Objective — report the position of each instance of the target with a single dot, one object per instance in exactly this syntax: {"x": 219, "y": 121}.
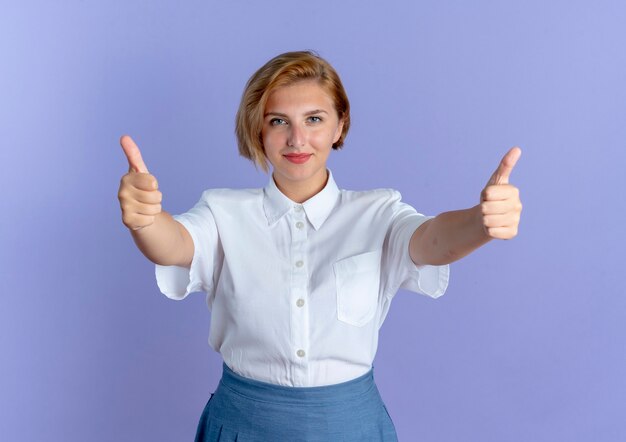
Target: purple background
{"x": 526, "y": 345}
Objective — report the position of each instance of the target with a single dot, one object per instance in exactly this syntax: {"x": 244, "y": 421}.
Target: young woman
{"x": 300, "y": 275}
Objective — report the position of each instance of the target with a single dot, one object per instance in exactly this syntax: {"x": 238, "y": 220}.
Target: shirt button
{"x": 300, "y": 353}
{"x": 299, "y": 224}
{"x": 300, "y": 302}
{"x": 299, "y": 263}
{"x": 298, "y": 208}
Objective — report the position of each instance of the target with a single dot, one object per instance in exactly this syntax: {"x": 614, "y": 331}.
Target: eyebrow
{"x": 306, "y": 114}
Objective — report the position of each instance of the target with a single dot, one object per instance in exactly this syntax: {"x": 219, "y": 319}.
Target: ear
{"x": 338, "y": 131}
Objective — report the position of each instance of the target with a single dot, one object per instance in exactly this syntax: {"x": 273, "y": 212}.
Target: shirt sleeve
{"x": 177, "y": 282}
{"x": 401, "y": 271}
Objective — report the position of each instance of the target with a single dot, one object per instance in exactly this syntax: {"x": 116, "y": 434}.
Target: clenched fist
{"x": 139, "y": 196}
{"x": 499, "y": 201}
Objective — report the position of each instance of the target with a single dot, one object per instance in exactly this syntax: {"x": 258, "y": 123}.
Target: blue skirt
{"x": 248, "y": 410}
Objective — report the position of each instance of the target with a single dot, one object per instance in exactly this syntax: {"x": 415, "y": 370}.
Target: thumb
{"x": 135, "y": 162}
{"x": 502, "y": 173}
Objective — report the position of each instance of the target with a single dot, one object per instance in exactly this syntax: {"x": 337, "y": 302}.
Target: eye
{"x": 314, "y": 119}
{"x": 277, "y": 122}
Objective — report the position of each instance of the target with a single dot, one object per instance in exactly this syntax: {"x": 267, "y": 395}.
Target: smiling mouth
{"x": 298, "y": 158}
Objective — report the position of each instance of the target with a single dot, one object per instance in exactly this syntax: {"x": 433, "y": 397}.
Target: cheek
{"x": 268, "y": 137}
{"x": 272, "y": 142}
{"x": 323, "y": 139}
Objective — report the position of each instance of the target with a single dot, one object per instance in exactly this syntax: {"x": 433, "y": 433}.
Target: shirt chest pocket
{"x": 357, "y": 280}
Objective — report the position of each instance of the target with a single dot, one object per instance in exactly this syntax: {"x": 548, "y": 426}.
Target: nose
{"x": 296, "y": 136}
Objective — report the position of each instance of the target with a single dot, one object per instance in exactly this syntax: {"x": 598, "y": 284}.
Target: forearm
{"x": 162, "y": 242}
{"x": 448, "y": 237}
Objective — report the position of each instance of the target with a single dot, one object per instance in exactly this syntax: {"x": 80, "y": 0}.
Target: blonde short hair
{"x": 283, "y": 70}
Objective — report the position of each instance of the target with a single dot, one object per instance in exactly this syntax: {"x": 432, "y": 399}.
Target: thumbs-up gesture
{"x": 139, "y": 196}
{"x": 499, "y": 201}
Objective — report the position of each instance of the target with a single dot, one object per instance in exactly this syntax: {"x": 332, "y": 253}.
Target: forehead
{"x": 302, "y": 93}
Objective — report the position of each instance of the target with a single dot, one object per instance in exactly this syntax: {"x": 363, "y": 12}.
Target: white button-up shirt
{"x": 298, "y": 292}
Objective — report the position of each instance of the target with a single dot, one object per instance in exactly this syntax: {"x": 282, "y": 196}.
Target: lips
{"x": 298, "y": 158}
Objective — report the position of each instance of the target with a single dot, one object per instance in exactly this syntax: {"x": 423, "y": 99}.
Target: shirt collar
{"x": 317, "y": 208}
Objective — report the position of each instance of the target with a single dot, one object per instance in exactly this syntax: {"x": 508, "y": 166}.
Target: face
{"x": 300, "y": 126}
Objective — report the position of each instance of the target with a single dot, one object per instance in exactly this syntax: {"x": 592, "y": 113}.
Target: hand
{"x": 500, "y": 205}
{"x": 139, "y": 196}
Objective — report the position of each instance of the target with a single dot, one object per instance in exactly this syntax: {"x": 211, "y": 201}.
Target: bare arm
{"x": 165, "y": 242}
{"x": 448, "y": 237}
{"x": 160, "y": 238}
{"x": 452, "y": 235}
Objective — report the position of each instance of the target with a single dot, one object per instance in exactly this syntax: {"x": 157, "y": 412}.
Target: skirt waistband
{"x": 267, "y": 392}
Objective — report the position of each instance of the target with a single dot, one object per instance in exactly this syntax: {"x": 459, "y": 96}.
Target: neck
{"x": 299, "y": 192}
